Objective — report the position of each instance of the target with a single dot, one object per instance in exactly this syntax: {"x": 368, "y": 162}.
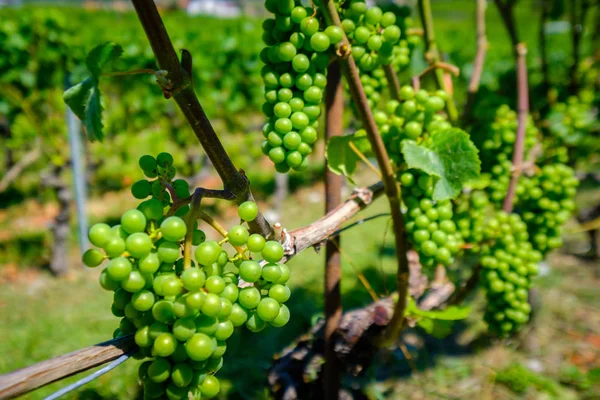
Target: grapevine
{"x": 182, "y": 312}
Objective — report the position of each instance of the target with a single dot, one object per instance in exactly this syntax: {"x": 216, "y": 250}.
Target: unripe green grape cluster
{"x": 411, "y": 118}
{"x": 372, "y": 75}
{"x": 497, "y": 150}
{"x": 182, "y": 312}
{"x": 296, "y": 56}
{"x": 546, "y": 202}
{"x": 569, "y": 126}
{"x": 372, "y": 34}
{"x": 429, "y": 225}
{"x": 508, "y": 266}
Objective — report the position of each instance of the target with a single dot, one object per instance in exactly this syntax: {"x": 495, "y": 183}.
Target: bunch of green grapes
{"x": 372, "y": 34}
{"x": 415, "y": 116}
{"x": 508, "y": 265}
{"x": 296, "y": 56}
{"x": 546, "y": 201}
{"x": 570, "y": 126}
{"x": 429, "y": 225}
{"x": 497, "y": 149}
{"x": 182, "y": 312}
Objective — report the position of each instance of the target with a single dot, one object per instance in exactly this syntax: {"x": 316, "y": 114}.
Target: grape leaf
{"x": 439, "y": 329}
{"x": 451, "y": 313}
{"x": 341, "y": 159}
{"x": 449, "y": 155}
{"x": 101, "y": 55}
{"x": 84, "y": 100}
{"x": 437, "y": 323}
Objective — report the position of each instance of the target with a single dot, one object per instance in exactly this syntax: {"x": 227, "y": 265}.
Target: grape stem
{"x": 183, "y": 93}
{"x": 125, "y": 73}
{"x": 482, "y": 45}
{"x": 433, "y": 56}
{"x": 211, "y": 221}
{"x": 391, "y": 190}
{"x": 364, "y": 158}
{"x": 189, "y": 235}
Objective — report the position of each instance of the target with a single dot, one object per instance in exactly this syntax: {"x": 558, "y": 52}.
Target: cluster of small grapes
{"x": 508, "y": 265}
{"x": 410, "y": 118}
{"x": 546, "y": 201}
{"x": 296, "y": 58}
{"x": 497, "y": 150}
{"x": 429, "y": 225}
{"x": 569, "y": 126}
{"x": 373, "y": 78}
{"x": 182, "y": 312}
{"x": 372, "y": 34}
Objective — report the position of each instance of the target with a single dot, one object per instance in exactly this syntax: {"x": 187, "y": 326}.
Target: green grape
{"x": 119, "y": 268}
{"x": 195, "y": 300}
{"x": 149, "y": 263}
{"x": 267, "y": 309}
{"x": 173, "y": 229}
{"x": 143, "y": 300}
{"x": 181, "y": 375}
{"x": 254, "y": 323}
{"x": 133, "y": 221}
{"x": 208, "y": 253}
{"x": 152, "y": 209}
{"x": 273, "y": 251}
{"x": 250, "y": 271}
{"x": 92, "y": 258}
{"x": 184, "y": 329}
{"x": 280, "y": 293}
{"x": 141, "y": 189}
{"x": 99, "y": 234}
{"x": 282, "y": 318}
{"x": 238, "y": 316}
{"x": 169, "y": 252}
{"x": 249, "y": 297}
{"x": 199, "y": 347}
{"x": 159, "y": 370}
{"x": 138, "y": 244}
{"x": 212, "y": 305}
{"x": 256, "y": 243}
{"x": 193, "y": 279}
{"x": 215, "y": 284}
{"x": 238, "y": 235}
{"x": 210, "y": 387}
{"x": 248, "y": 211}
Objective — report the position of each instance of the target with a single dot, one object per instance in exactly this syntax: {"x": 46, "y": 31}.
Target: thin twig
{"x": 433, "y": 56}
{"x": 361, "y": 276}
{"x": 125, "y": 73}
{"x": 390, "y": 187}
{"x": 15, "y": 171}
{"x": 482, "y": 45}
{"x": 393, "y": 83}
{"x": 364, "y": 158}
{"x": 183, "y": 93}
{"x": 522, "y": 114}
{"x": 211, "y": 221}
{"x": 189, "y": 235}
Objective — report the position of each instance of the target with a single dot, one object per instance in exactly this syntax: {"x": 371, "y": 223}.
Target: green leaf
{"x": 341, "y": 159}
{"x": 101, "y": 55}
{"x": 449, "y": 155}
{"x": 452, "y": 313}
{"x": 439, "y": 329}
{"x": 84, "y": 100}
